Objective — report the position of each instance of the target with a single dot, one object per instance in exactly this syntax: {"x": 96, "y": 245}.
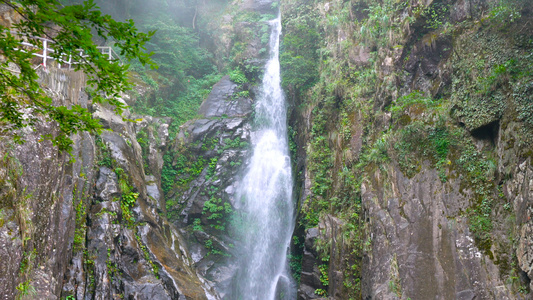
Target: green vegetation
{"x": 112, "y": 269}
{"x": 186, "y": 165}
{"x": 27, "y": 262}
{"x": 10, "y": 184}
{"x": 320, "y": 166}
{"x": 295, "y": 265}
{"x": 128, "y": 201}
{"x": 180, "y": 104}
{"x": 186, "y": 70}
{"x": 216, "y": 209}
{"x": 103, "y": 153}
{"x": 238, "y": 76}
{"x": 15, "y": 207}
{"x": 25, "y": 289}
{"x": 128, "y": 198}
{"x": 403, "y": 119}
{"x": 143, "y": 140}
{"x": 146, "y": 253}
{"x": 169, "y": 171}
{"x": 212, "y": 250}
{"x": 373, "y": 112}
{"x": 181, "y": 168}
{"x": 81, "y": 227}
{"x": 504, "y": 12}
{"x": 181, "y": 171}
{"x": 378, "y": 24}
{"x": 197, "y": 225}
{"x": 75, "y": 26}
{"x": 301, "y": 40}
{"x": 89, "y": 267}
{"x": 235, "y": 143}
{"x": 324, "y": 279}
{"x": 434, "y": 15}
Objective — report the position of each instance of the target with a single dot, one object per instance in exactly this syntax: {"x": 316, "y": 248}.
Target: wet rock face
{"x": 132, "y": 250}
{"x": 310, "y": 276}
{"x": 221, "y": 103}
{"x": 93, "y": 228}
{"x": 107, "y": 185}
{"x": 329, "y": 229}
{"x": 217, "y": 147}
{"x": 522, "y": 186}
{"x": 10, "y": 247}
{"x": 46, "y": 186}
{"x": 422, "y": 244}
{"x": 425, "y": 62}
{"x": 421, "y": 233}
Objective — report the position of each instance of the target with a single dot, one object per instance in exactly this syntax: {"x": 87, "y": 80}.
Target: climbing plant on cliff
{"x": 71, "y": 28}
{"x": 299, "y": 56}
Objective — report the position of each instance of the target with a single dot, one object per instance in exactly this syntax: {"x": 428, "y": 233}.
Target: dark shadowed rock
{"x": 310, "y": 276}
{"x": 306, "y": 292}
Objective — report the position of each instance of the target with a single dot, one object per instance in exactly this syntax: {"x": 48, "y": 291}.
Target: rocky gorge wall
{"x": 412, "y": 138}
{"x": 135, "y": 212}
{"x": 410, "y": 135}
{"x": 93, "y": 228}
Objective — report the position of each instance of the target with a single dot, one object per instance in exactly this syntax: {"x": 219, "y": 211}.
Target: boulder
{"x": 223, "y": 102}
{"x": 310, "y": 276}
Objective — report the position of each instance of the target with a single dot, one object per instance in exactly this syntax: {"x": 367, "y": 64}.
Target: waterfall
{"x": 265, "y": 201}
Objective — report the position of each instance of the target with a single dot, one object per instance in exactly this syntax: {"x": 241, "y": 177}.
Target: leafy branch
{"x": 71, "y": 29}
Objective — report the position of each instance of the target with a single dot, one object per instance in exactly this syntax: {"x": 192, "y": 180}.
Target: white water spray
{"x": 265, "y": 199}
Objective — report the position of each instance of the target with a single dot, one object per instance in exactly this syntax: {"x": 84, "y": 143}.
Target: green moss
{"x": 143, "y": 140}
{"x": 112, "y": 269}
{"x": 103, "y": 153}
{"x": 25, "y": 289}
{"x": 147, "y": 257}
{"x": 324, "y": 279}
{"x": 127, "y": 202}
{"x": 81, "y": 227}
{"x": 486, "y": 77}
{"x": 299, "y": 56}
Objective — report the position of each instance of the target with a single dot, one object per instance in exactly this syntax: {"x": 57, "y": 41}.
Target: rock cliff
{"x": 412, "y": 137}
{"x": 117, "y": 218}
{"x": 209, "y": 154}
{"x": 91, "y": 225}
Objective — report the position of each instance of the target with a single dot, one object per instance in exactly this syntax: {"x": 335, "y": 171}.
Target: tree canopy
{"x": 71, "y": 28}
{"x": 183, "y": 49}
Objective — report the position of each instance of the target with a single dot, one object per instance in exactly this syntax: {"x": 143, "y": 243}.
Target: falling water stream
{"x": 266, "y": 203}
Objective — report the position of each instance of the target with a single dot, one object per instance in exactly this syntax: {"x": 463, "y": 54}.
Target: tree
{"x": 71, "y": 28}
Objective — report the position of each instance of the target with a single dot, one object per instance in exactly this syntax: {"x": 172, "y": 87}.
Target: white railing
{"x": 64, "y": 60}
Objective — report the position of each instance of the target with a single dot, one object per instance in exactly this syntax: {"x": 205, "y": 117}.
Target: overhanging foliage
{"x": 71, "y": 28}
